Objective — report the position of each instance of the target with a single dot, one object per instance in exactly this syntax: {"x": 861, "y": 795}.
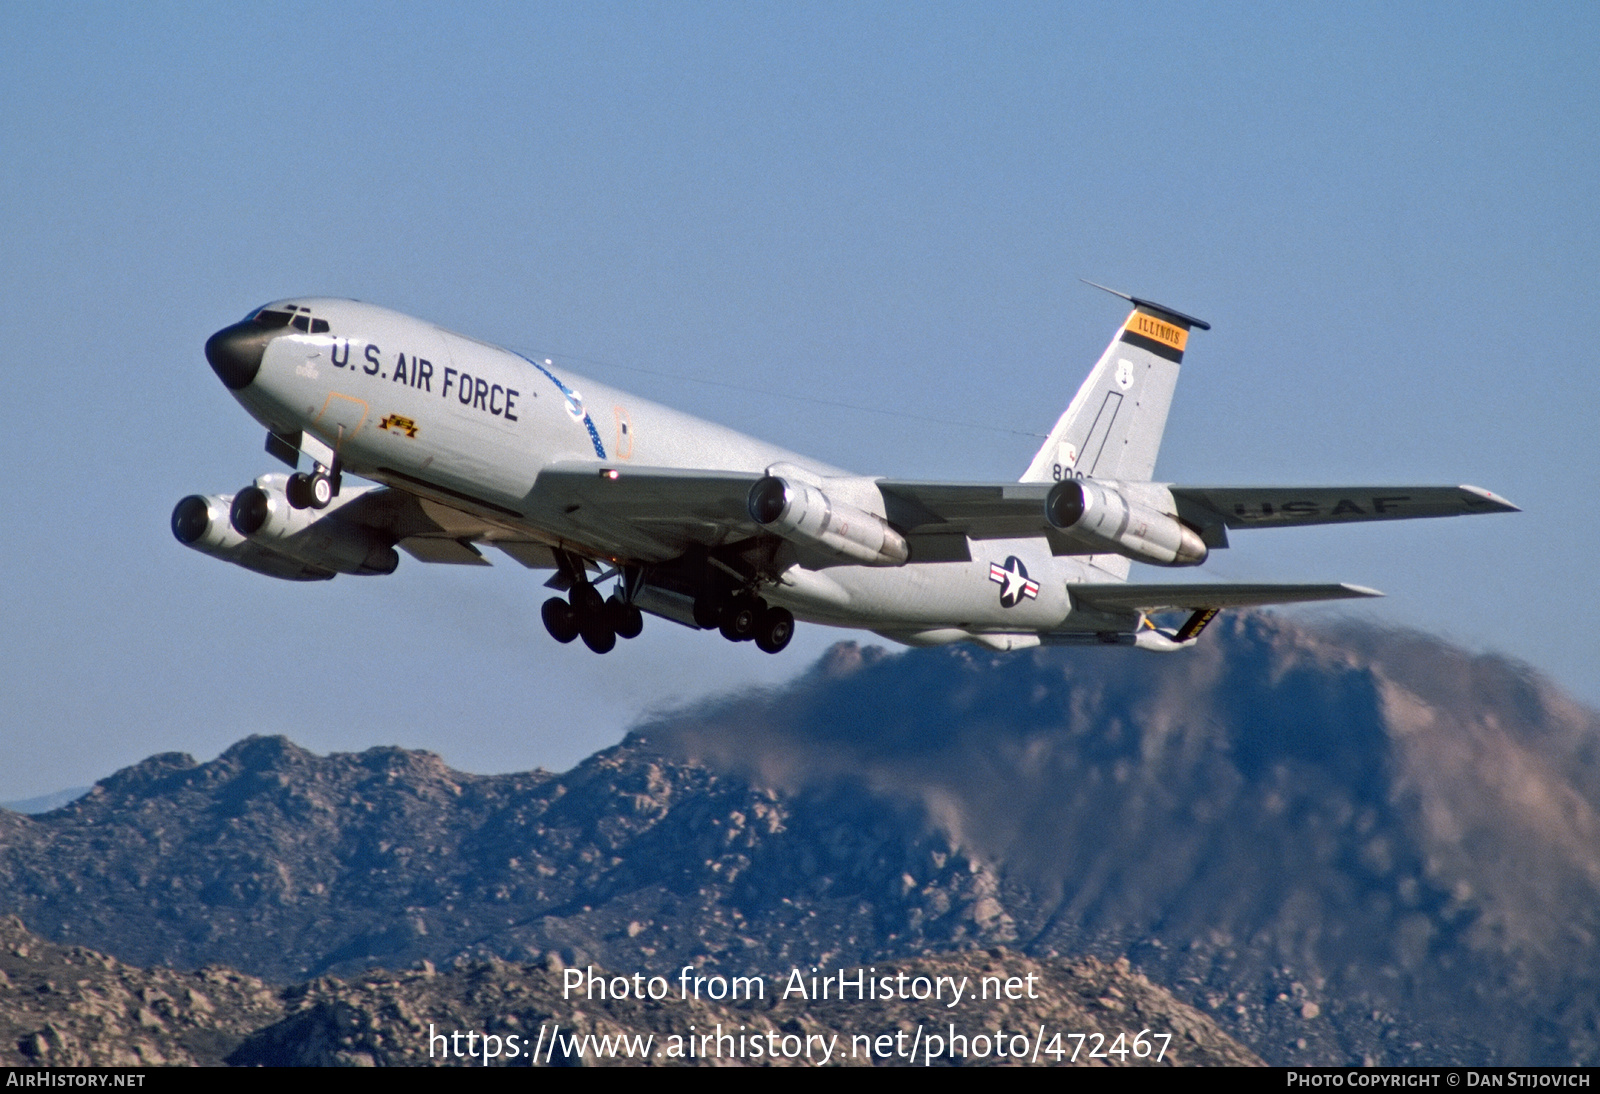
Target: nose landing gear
{"x": 316, "y": 490}
{"x": 313, "y": 491}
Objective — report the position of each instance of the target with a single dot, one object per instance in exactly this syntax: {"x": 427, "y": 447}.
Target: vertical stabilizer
{"x": 1113, "y": 427}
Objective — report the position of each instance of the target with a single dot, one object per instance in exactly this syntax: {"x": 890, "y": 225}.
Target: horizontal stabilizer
{"x": 1151, "y": 305}
{"x": 1157, "y": 598}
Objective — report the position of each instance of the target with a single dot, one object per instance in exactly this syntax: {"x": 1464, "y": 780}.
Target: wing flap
{"x": 442, "y": 549}
{"x": 654, "y": 493}
{"x": 977, "y": 510}
{"x": 652, "y": 512}
{"x": 535, "y": 556}
{"x": 1193, "y": 597}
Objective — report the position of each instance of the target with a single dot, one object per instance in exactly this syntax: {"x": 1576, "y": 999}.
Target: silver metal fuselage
{"x": 471, "y": 426}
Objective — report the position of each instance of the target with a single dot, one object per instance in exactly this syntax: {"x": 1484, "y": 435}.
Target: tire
{"x": 626, "y": 619}
{"x": 319, "y": 490}
{"x": 298, "y": 491}
{"x": 587, "y": 602}
{"x": 598, "y": 635}
{"x": 560, "y": 620}
{"x": 774, "y": 630}
{"x": 707, "y": 612}
{"x": 739, "y": 618}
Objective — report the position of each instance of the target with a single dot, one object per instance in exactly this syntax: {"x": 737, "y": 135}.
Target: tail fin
{"x": 1113, "y": 427}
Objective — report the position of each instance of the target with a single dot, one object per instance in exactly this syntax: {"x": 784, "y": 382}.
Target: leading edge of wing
{"x": 1155, "y": 598}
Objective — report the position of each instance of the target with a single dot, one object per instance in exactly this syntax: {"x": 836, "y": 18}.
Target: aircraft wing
{"x": 652, "y": 512}
{"x": 1277, "y": 506}
{"x": 999, "y": 510}
{"x": 429, "y": 531}
{"x": 1193, "y": 597}
{"x": 673, "y": 507}
{"x": 665, "y": 494}
{"x": 655, "y": 512}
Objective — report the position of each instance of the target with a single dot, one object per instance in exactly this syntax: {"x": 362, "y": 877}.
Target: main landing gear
{"x": 737, "y": 612}
{"x": 598, "y": 620}
{"x": 744, "y": 618}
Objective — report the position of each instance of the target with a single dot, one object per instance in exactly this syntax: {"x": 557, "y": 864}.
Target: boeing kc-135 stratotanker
{"x": 473, "y": 446}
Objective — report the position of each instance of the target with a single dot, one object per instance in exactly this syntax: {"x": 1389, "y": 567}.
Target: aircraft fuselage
{"x": 472, "y": 425}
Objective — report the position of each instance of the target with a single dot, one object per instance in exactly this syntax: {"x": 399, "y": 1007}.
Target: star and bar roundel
{"x": 1013, "y": 581}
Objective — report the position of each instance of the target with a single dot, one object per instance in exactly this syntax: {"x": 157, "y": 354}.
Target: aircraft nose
{"x": 235, "y": 352}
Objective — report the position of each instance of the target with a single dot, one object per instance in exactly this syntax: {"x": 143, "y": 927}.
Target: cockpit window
{"x": 272, "y": 320}
{"x": 295, "y": 316}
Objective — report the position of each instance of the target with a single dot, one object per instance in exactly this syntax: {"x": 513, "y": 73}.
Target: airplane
{"x": 466, "y": 445}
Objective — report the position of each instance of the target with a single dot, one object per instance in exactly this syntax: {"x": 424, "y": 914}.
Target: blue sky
{"x": 1387, "y": 212}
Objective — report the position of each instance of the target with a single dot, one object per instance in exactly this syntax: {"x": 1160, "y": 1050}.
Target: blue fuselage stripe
{"x": 572, "y": 399}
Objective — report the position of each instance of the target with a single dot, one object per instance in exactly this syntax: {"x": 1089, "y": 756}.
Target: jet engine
{"x": 803, "y": 514}
{"x": 1100, "y": 515}
{"x": 258, "y": 529}
{"x": 261, "y": 512}
{"x": 202, "y": 523}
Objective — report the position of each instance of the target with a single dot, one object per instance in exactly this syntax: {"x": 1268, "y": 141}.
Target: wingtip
{"x": 1487, "y": 501}
{"x": 1359, "y": 590}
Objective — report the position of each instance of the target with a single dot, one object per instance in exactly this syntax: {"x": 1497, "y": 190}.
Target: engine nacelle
{"x": 1099, "y": 515}
{"x": 803, "y": 514}
{"x": 261, "y": 513}
{"x": 202, "y": 523}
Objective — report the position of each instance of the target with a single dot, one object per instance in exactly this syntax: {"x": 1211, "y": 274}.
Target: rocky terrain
{"x": 1344, "y": 846}
{"x": 73, "y": 1007}
{"x": 69, "y": 1006}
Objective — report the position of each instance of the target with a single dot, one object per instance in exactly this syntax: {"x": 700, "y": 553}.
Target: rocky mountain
{"x": 73, "y": 1007}
{"x": 68, "y": 1006}
{"x": 1343, "y": 845}
{"x": 1373, "y": 827}
{"x": 45, "y": 803}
